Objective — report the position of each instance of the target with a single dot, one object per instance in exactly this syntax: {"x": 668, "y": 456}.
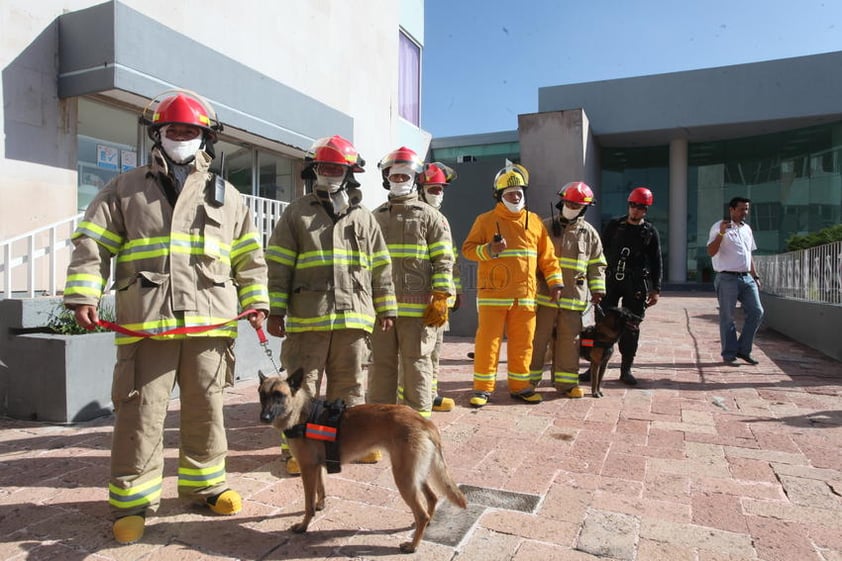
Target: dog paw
{"x": 597, "y": 394}
{"x": 407, "y": 547}
{"x": 299, "y": 528}
{"x": 320, "y": 505}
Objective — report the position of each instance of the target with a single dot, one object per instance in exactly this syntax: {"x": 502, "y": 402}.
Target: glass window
{"x": 409, "y": 79}
{"x": 792, "y": 178}
{"x": 276, "y": 178}
{"x": 624, "y": 169}
{"x": 238, "y": 165}
{"x": 106, "y": 146}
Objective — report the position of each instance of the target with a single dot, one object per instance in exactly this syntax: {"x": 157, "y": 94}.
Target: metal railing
{"x": 813, "y": 275}
{"x": 35, "y": 263}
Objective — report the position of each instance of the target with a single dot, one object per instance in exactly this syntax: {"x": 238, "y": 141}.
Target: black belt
{"x": 741, "y": 273}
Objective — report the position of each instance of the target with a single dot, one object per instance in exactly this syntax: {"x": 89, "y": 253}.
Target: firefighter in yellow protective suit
{"x": 436, "y": 177}
{"x": 511, "y": 244}
{"x": 421, "y": 248}
{"x": 579, "y": 250}
{"x": 330, "y": 277}
{"x": 186, "y": 255}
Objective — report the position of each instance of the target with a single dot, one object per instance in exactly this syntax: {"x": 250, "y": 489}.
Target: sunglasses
{"x": 638, "y": 206}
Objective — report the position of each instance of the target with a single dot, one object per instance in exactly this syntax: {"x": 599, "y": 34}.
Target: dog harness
{"x": 323, "y": 424}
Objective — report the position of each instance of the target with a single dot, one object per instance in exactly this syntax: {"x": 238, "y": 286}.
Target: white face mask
{"x": 181, "y": 151}
{"x": 570, "y": 213}
{"x": 328, "y": 183}
{"x": 434, "y": 200}
{"x": 515, "y": 207}
{"x": 402, "y": 188}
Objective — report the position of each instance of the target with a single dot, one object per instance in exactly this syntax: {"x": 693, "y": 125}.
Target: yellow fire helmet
{"x": 513, "y": 175}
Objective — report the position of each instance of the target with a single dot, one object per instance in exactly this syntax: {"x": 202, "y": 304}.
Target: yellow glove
{"x": 436, "y": 313}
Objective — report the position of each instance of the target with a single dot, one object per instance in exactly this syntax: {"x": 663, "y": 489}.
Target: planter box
{"x": 67, "y": 378}
{"x": 61, "y": 378}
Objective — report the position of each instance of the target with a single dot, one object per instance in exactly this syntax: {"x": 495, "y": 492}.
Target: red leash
{"x": 261, "y": 335}
{"x": 177, "y": 330}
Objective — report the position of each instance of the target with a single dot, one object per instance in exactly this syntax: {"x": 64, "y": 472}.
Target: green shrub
{"x": 63, "y": 321}
{"x": 823, "y": 236}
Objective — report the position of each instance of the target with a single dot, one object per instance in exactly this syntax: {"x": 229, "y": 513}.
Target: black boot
{"x": 625, "y": 373}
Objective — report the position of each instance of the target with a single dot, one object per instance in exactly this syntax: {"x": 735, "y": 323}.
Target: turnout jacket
{"x": 188, "y": 264}
{"x": 328, "y": 273}
{"x": 421, "y": 248}
{"x": 579, "y": 252}
{"x": 511, "y": 275}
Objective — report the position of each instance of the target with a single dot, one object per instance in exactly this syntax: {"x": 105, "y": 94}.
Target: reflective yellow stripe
{"x": 103, "y": 237}
{"x": 407, "y": 310}
{"x": 330, "y": 322}
{"x": 178, "y": 244}
{"x": 281, "y": 255}
{"x": 201, "y": 477}
{"x": 252, "y": 293}
{"x": 143, "y": 494}
{"x": 84, "y": 284}
{"x": 228, "y": 330}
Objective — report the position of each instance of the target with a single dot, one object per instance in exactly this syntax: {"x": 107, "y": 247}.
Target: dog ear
{"x": 261, "y": 376}
{"x": 296, "y": 379}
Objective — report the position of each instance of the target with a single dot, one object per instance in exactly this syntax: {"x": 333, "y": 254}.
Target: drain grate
{"x": 450, "y": 524}
{"x": 496, "y": 498}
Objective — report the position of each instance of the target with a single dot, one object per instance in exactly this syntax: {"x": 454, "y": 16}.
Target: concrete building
{"x": 76, "y": 74}
{"x": 771, "y": 131}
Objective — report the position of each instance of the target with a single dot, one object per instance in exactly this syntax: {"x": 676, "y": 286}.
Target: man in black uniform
{"x": 633, "y": 250}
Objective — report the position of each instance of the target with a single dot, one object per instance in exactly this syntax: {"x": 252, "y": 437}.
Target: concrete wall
{"x": 712, "y": 97}
{"x": 558, "y": 147}
{"x": 342, "y": 54}
{"x": 814, "y": 325}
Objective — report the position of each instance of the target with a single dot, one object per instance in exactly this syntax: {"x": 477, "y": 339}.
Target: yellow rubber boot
{"x": 128, "y": 529}
{"x": 528, "y": 395}
{"x": 292, "y": 466}
{"x": 575, "y": 392}
{"x": 479, "y": 399}
{"x": 226, "y": 503}
{"x": 443, "y": 404}
{"x": 371, "y": 458}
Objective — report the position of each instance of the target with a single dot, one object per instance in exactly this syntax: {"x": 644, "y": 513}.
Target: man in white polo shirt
{"x": 730, "y": 244}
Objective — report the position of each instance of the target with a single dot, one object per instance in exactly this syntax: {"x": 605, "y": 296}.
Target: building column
{"x": 677, "y": 265}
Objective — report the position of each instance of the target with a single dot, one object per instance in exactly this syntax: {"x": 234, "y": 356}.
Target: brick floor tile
{"x": 694, "y": 451}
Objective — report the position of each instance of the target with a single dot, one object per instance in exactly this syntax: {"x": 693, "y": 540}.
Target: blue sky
{"x": 484, "y": 60}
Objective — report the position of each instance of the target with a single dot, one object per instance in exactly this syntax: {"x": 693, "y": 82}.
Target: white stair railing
{"x": 34, "y": 263}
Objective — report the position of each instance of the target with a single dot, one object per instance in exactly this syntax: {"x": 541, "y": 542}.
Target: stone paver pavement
{"x": 700, "y": 462}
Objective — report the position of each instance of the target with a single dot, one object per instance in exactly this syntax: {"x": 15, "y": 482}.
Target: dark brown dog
{"x": 596, "y": 343}
{"x": 413, "y": 444}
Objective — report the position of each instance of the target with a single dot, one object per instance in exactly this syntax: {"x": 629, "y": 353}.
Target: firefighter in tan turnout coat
{"x": 330, "y": 278}
{"x": 421, "y": 249}
{"x": 558, "y": 324}
{"x": 187, "y": 255}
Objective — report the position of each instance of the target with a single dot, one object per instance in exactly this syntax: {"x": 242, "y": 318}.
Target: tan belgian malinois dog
{"x": 413, "y": 444}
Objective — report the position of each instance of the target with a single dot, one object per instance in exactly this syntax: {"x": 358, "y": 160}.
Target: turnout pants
{"x": 339, "y": 355}
{"x": 559, "y": 328}
{"x": 519, "y": 324}
{"x": 402, "y": 368}
{"x": 144, "y": 377}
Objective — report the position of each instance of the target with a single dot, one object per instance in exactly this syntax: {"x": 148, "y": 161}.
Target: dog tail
{"x": 441, "y": 477}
